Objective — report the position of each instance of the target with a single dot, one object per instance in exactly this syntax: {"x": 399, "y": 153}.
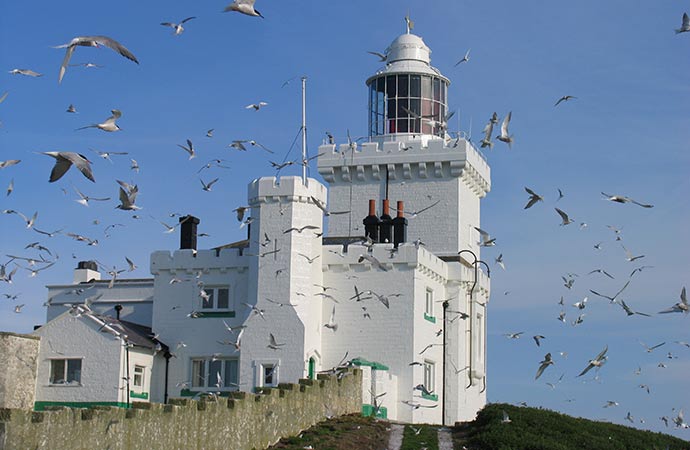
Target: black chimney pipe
{"x": 399, "y": 226}
{"x": 188, "y": 225}
{"x": 386, "y": 225}
{"x": 371, "y": 223}
{"x": 117, "y": 309}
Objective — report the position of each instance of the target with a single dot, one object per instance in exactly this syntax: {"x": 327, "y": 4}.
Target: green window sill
{"x": 144, "y": 395}
{"x": 433, "y": 397}
{"x": 212, "y": 314}
{"x": 429, "y": 318}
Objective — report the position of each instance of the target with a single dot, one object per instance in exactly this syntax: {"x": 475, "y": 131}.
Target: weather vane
{"x": 409, "y": 22}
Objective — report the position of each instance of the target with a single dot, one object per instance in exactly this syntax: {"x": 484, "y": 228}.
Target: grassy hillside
{"x": 538, "y": 429}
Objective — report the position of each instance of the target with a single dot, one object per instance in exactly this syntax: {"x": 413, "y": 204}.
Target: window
{"x": 139, "y": 376}
{"x": 429, "y": 306}
{"x": 269, "y": 375}
{"x": 65, "y": 371}
{"x": 480, "y": 337}
{"x": 215, "y": 373}
{"x": 429, "y": 376}
{"x": 215, "y": 298}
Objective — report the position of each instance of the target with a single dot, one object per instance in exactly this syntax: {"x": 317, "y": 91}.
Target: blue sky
{"x": 628, "y": 132}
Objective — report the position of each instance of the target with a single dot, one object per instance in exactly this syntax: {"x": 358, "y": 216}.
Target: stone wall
{"x": 18, "y": 365}
{"x": 244, "y": 421}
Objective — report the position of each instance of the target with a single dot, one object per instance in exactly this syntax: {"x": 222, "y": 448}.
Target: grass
{"x": 427, "y": 437}
{"x": 538, "y": 429}
{"x": 341, "y": 433}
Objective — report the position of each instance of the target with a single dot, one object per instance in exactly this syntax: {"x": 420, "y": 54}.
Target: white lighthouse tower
{"x": 430, "y": 341}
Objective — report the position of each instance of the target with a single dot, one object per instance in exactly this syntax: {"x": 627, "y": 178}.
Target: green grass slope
{"x": 538, "y": 429}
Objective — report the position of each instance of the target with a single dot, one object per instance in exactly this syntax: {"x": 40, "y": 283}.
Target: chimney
{"x": 385, "y": 227}
{"x": 117, "y": 309}
{"x": 399, "y": 226}
{"x": 371, "y": 223}
{"x": 188, "y": 226}
{"x": 86, "y": 271}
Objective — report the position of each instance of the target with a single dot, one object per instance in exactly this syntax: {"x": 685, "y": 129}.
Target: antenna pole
{"x": 304, "y": 130}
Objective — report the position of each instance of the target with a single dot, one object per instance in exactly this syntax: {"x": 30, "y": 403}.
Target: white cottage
{"x": 401, "y": 297}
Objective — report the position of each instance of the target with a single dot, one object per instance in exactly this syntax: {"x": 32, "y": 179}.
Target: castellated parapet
{"x": 272, "y": 189}
{"x": 244, "y": 421}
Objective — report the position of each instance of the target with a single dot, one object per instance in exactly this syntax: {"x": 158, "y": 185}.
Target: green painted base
{"x": 212, "y": 314}
{"x": 368, "y": 411}
{"x": 431, "y": 319}
{"x": 40, "y": 406}
{"x": 144, "y": 395}
{"x": 363, "y": 362}
{"x": 433, "y": 397}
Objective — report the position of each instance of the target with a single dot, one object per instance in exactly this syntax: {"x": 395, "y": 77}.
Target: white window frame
{"x": 430, "y": 375}
{"x": 261, "y": 367}
{"x": 429, "y": 302}
{"x": 65, "y": 372}
{"x": 140, "y": 376}
{"x": 213, "y": 291}
{"x": 206, "y": 385}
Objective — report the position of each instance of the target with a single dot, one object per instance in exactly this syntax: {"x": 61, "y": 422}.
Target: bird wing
{"x": 686, "y": 21}
{"x": 644, "y": 205}
{"x": 187, "y": 19}
{"x": 531, "y": 201}
{"x": 114, "y": 45}
{"x": 168, "y": 24}
{"x": 504, "y": 125}
{"x": 563, "y": 215}
{"x": 332, "y": 315}
{"x": 62, "y": 165}
{"x": 319, "y": 204}
{"x": 530, "y": 192}
{"x": 428, "y": 207}
{"x": 601, "y": 355}
{"x": 124, "y": 198}
{"x": 65, "y": 62}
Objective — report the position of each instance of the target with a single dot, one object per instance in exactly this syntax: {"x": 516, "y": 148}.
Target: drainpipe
{"x": 127, "y": 362}
{"x": 445, "y": 338}
{"x": 488, "y": 274}
{"x": 167, "y": 355}
{"x": 474, "y": 263}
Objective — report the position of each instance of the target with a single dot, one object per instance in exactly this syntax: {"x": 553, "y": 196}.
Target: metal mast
{"x": 304, "y": 130}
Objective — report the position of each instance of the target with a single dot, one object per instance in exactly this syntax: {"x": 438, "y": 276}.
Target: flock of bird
{"x": 64, "y": 160}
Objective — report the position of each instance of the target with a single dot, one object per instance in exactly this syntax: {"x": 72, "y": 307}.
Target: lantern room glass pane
{"x": 390, "y": 86}
{"x": 415, "y": 86}
{"x": 437, "y": 89}
{"x": 403, "y": 89}
{"x": 426, "y": 87}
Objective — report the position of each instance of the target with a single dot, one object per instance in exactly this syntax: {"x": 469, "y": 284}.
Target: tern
{"x": 109, "y": 125}
{"x": 207, "y": 186}
{"x": 256, "y": 106}
{"x": 9, "y": 162}
{"x": 629, "y": 256}
{"x": 319, "y": 204}
{"x": 331, "y": 322}
{"x": 488, "y": 131}
{"x": 504, "y": 136}
{"x": 514, "y": 335}
{"x": 487, "y": 240}
{"x": 681, "y": 306}
{"x": 27, "y": 72}
{"x": 92, "y": 41}
{"x": 543, "y": 365}
{"x": 499, "y": 261}
{"x": 565, "y": 98}
{"x": 128, "y": 195}
{"x": 564, "y": 217}
{"x": 65, "y": 160}
{"x": 685, "y": 26}
{"x": 534, "y": 198}
{"x": 382, "y": 56}
{"x": 189, "y": 149}
{"x": 177, "y": 26}
{"x": 84, "y": 199}
{"x": 373, "y": 260}
{"x": 506, "y": 418}
{"x": 624, "y": 199}
{"x": 651, "y": 349}
{"x": 273, "y": 344}
{"x": 465, "y": 58}
{"x": 244, "y": 7}
{"x": 612, "y": 299}
{"x": 596, "y": 362}
{"x": 71, "y": 109}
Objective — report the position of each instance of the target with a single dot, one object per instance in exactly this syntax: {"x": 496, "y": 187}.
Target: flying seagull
{"x": 64, "y": 160}
{"x": 373, "y": 260}
{"x": 128, "y": 195}
{"x": 624, "y": 199}
{"x": 596, "y": 362}
{"x": 109, "y": 124}
{"x": 27, "y": 72}
{"x": 244, "y": 7}
{"x": 565, "y": 98}
{"x": 177, "y": 26}
{"x": 487, "y": 240}
{"x": 382, "y": 56}
{"x": 504, "y": 136}
{"x": 9, "y": 162}
{"x": 465, "y": 58}
{"x": 331, "y": 322}
{"x": 319, "y": 204}
{"x": 681, "y": 306}
{"x": 92, "y": 41}
{"x": 564, "y": 217}
{"x": 189, "y": 149}
{"x": 256, "y": 106}
{"x": 534, "y": 198}
{"x": 543, "y": 365}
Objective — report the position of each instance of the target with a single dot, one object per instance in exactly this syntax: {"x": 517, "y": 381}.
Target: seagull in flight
{"x": 624, "y": 199}
{"x": 681, "y": 306}
{"x": 109, "y": 125}
{"x": 65, "y": 160}
{"x": 207, "y": 186}
{"x": 244, "y": 7}
{"x": 487, "y": 240}
{"x": 319, "y": 204}
{"x": 128, "y": 195}
{"x": 596, "y": 362}
{"x": 26, "y": 72}
{"x": 565, "y": 98}
{"x": 465, "y": 58}
{"x": 564, "y": 217}
{"x": 189, "y": 149}
{"x": 331, "y": 322}
{"x": 543, "y": 365}
{"x": 256, "y": 106}
{"x": 382, "y": 56}
{"x": 629, "y": 256}
{"x": 84, "y": 199}
{"x": 373, "y": 260}
{"x": 505, "y": 136}
{"x": 92, "y": 41}
{"x": 534, "y": 198}
{"x": 179, "y": 29}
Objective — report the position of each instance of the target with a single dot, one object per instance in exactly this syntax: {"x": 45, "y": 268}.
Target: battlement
{"x": 221, "y": 259}
{"x": 288, "y": 189}
{"x": 405, "y": 160}
{"x": 243, "y": 421}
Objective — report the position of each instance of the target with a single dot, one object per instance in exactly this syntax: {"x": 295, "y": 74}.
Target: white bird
{"x": 71, "y": 109}
{"x": 514, "y": 335}
{"x": 331, "y": 322}
{"x": 92, "y": 41}
{"x": 624, "y": 199}
{"x": 373, "y": 260}
{"x": 256, "y": 106}
{"x": 685, "y": 26}
{"x": 84, "y": 199}
{"x": 488, "y": 131}
{"x": 109, "y": 124}
{"x": 128, "y": 195}
{"x": 189, "y": 149}
{"x": 27, "y": 72}
{"x": 681, "y": 306}
{"x": 564, "y": 217}
{"x": 64, "y": 160}
{"x": 177, "y": 26}
{"x": 207, "y": 186}
{"x": 581, "y": 304}
{"x": 319, "y": 204}
{"x": 486, "y": 241}
{"x": 465, "y": 58}
{"x": 499, "y": 261}
{"x": 504, "y": 136}
{"x": 382, "y": 56}
{"x": 650, "y": 349}
{"x": 18, "y": 308}
{"x": 9, "y": 162}
{"x": 273, "y": 344}
{"x": 244, "y": 7}
{"x": 596, "y": 362}
{"x": 543, "y": 365}
{"x": 506, "y": 418}
{"x": 679, "y": 420}
{"x": 10, "y": 187}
